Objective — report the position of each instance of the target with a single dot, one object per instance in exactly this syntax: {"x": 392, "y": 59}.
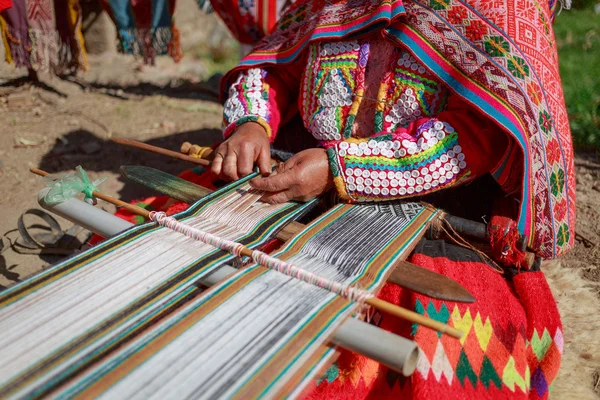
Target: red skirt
{"x": 511, "y": 350}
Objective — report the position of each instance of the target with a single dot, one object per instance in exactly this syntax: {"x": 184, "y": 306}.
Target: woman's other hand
{"x": 303, "y": 177}
{"x": 235, "y": 158}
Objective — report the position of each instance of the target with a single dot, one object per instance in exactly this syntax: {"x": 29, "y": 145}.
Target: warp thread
{"x": 504, "y": 236}
{"x": 351, "y": 293}
{"x": 440, "y": 224}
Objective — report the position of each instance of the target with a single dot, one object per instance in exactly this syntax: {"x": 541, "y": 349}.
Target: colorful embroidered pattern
{"x": 487, "y": 355}
{"x": 499, "y": 57}
{"x": 511, "y": 63}
{"x": 247, "y": 102}
{"x": 415, "y": 94}
{"x": 394, "y": 167}
{"x": 333, "y": 82}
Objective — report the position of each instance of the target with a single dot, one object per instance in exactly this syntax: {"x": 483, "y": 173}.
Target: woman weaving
{"x": 406, "y": 99}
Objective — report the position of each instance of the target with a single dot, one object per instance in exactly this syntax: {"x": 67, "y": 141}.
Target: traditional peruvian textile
{"x": 199, "y": 351}
{"x": 145, "y": 28}
{"x": 419, "y": 132}
{"x": 72, "y": 314}
{"x": 511, "y": 349}
{"x": 44, "y": 35}
{"x": 497, "y": 57}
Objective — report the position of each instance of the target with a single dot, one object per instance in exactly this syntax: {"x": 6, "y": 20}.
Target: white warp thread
{"x": 351, "y": 293}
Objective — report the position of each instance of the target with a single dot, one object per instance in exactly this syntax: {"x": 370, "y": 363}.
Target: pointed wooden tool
{"x": 406, "y": 274}
{"x": 429, "y": 283}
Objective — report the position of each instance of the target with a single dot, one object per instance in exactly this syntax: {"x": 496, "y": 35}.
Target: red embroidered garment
{"x": 424, "y": 138}
{"x": 499, "y": 57}
{"x": 250, "y": 20}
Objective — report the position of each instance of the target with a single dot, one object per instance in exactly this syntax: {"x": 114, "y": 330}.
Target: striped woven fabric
{"x": 261, "y": 334}
{"x": 70, "y": 315}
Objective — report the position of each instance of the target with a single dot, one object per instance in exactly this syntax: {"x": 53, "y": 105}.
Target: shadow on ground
{"x": 179, "y": 89}
{"x": 81, "y": 147}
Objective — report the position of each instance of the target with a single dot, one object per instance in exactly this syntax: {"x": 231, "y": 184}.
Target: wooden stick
{"x": 379, "y": 304}
{"x": 202, "y": 151}
{"x": 160, "y": 150}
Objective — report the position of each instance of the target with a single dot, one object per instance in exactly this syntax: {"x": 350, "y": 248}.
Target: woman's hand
{"x": 235, "y": 158}
{"x": 303, "y": 177}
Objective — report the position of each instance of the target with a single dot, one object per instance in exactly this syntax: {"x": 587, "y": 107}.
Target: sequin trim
{"x": 247, "y": 101}
{"x": 415, "y": 94}
{"x": 333, "y": 88}
{"x": 337, "y": 76}
{"x": 385, "y": 167}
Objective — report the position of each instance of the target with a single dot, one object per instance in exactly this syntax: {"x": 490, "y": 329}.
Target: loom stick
{"x": 429, "y": 283}
{"x": 406, "y": 274}
{"x": 194, "y": 149}
{"x": 160, "y": 150}
{"x": 154, "y": 179}
{"x": 379, "y": 304}
{"x": 85, "y": 215}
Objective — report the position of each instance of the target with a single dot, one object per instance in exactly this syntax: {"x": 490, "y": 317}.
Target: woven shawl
{"x": 261, "y": 334}
{"x": 499, "y": 56}
{"x": 70, "y": 315}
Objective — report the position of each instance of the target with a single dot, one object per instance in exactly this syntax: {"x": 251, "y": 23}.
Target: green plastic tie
{"x": 70, "y": 185}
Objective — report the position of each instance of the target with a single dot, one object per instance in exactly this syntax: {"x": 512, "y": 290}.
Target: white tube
{"x": 86, "y": 215}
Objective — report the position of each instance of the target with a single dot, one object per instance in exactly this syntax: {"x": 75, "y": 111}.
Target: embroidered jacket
{"x": 390, "y": 129}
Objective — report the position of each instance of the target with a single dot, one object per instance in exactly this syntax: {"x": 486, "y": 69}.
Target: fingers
{"x": 245, "y": 160}
{"x": 264, "y": 161}
{"x": 230, "y": 166}
{"x": 278, "y": 197}
{"x": 274, "y": 183}
{"x": 217, "y": 163}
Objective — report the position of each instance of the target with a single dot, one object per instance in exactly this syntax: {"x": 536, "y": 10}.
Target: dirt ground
{"x": 68, "y": 122}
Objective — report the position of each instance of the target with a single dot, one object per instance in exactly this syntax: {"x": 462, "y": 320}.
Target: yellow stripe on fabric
{"x": 76, "y": 15}
{"x": 7, "y": 52}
